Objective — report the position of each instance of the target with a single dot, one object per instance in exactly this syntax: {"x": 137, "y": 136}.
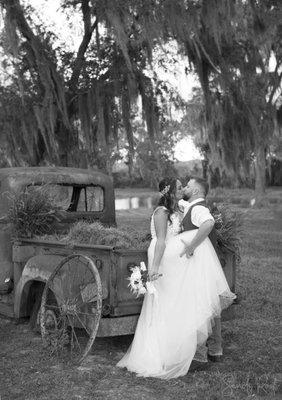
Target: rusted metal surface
{"x": 40, "y": 267}
{"x": 6, "y": 264}
{"x": 26, "y": 175}
{"x": 22, "y": 253}
{"x": 54, "y": 244}
{"x": 37, "y": 269}
{"x": 15, "y": 179}
{"x": 126, "y": 303}
{"x": 113, "y": 266}
{"x": 117, "y": 326}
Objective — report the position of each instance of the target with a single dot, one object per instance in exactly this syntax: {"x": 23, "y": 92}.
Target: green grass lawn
{"x": 251, "y": 367}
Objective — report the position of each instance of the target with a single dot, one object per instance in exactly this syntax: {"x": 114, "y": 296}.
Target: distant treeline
{"x": 186, "y": 169}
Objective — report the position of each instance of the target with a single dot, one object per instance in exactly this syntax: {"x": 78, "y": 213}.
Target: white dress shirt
{"x": 199, "y": 215}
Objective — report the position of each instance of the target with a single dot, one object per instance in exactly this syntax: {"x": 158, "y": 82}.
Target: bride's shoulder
{"x": 160, "y": 210}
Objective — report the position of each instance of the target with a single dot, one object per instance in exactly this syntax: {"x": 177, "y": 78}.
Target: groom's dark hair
{"x": 201, "y": 182}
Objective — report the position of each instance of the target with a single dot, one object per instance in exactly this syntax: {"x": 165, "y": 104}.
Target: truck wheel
{"x": 77, "y": 287}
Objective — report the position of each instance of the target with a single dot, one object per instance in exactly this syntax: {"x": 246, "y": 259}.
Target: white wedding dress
{"x": 179, "y": 316}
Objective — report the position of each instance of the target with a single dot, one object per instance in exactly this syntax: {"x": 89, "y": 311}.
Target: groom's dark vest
{"x": 189, "y": 226}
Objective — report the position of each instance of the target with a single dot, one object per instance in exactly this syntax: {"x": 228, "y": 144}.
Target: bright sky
{"x": 69, "y": 31}
{"x": 186, "y": 150}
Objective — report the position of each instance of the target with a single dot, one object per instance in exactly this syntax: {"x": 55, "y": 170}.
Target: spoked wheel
{"x": 71, "y": 324}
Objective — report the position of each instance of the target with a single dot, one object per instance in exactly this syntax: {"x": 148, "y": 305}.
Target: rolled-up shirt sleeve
{"x": 200, "y": 214}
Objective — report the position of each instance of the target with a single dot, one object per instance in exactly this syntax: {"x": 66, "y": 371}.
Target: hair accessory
{"x": 165, "y": 190}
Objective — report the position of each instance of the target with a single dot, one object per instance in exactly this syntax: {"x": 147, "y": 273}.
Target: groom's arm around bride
{"x": 203, "y": 232}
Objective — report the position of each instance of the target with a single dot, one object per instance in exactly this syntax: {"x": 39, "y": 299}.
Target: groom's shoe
{"x": 198, "y": 366}
{"x": 214, "y": 359}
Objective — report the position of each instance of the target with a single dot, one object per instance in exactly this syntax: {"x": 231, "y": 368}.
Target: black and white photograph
{"x": 140, "y": 199}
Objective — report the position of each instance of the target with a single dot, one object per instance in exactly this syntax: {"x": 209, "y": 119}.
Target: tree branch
{"x": 14, "y": 8}
{"x": 52, "y": 84}
{"x": 47, "y": 69}
{"x": 88, "y": 30}
{"x": 278, "y": 83}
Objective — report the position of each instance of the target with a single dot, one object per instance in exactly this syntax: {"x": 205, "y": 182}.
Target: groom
{"x": 198, "y": 216}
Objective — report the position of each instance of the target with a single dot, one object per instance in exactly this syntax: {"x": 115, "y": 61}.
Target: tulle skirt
{"x": 190, "y": 294}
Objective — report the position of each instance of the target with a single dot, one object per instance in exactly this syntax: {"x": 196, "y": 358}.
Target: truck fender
{"x": 37, "y": 269}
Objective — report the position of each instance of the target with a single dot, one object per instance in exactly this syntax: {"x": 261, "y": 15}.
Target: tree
{"x": 240, "y": 90}
{"x": 81, "y": 100}
{"x": 228, "y": 44}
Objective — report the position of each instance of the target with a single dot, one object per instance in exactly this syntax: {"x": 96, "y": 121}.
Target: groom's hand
{"x": 188, "y": 250}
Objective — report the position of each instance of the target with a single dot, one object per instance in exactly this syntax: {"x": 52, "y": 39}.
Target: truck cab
{"x": 84, "y": 194}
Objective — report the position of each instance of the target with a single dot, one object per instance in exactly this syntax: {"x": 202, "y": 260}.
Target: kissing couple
{"x": 180, "y": 321}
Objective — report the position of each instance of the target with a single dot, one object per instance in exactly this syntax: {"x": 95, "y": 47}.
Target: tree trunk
{"x": 129, "y": 164}
{"x": 260, "y": 165}
{"x": 56, "y": 106}
{"x": 269, "y": 171}
{"x": 205, "y": 165}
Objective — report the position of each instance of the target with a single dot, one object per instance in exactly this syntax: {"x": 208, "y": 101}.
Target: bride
{"x": 178, "y": 316}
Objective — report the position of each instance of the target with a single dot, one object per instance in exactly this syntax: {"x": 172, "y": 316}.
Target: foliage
{"x": 186, "y": 169}
{"x": 55, "y": 341}
{"x": 97, "y": 234}
{"x": 242, "y": 98}
{"x": 150, "y": 167}
{"x": 153, "y": 159}
{"x": 33, "y": 211}
{"x": 229, "y": 228}
{"x": 83, "y": 102}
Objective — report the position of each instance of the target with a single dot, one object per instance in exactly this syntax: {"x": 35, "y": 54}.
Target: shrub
{"x": 229, "y": 228}
{"x": 33, "y": 211}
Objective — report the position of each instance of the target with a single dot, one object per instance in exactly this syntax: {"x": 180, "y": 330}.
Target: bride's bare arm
{"x": 160, "y": 221}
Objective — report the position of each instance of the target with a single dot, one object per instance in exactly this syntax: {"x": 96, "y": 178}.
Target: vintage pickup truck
{"x": 84, "y": 286}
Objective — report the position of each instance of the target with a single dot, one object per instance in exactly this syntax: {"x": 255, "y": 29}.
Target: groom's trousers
{"x": 213, "y": 346}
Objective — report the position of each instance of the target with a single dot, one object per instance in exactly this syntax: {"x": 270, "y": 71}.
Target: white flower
{"x": 142, "y": 290}
{"x": 139, "y": 285}
{"x": 143, "y": 266}
{"x": 136, "y": 274}
{"x": 133, "y": 282}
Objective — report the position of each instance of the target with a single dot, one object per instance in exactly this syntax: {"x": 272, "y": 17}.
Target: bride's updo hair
{"x": 167, "y": 189}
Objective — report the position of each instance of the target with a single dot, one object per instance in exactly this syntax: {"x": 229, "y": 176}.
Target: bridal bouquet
{"x": 139, "y": 282}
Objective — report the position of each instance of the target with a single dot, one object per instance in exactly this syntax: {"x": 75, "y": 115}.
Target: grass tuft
{"x": 97, "y": 234}
{"x": 33, "y": 211}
